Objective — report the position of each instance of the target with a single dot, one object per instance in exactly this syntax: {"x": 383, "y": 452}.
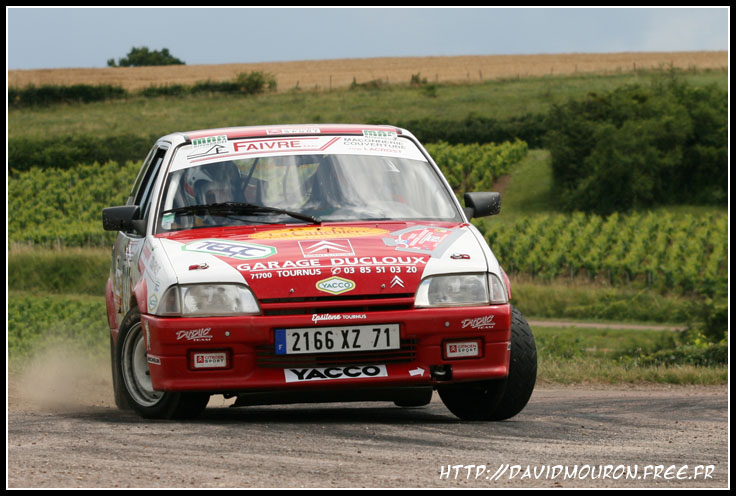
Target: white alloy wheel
{"x": 135, "y": 369}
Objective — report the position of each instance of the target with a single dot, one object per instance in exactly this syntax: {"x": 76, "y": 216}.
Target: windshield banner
{"x": 388, "y": 145}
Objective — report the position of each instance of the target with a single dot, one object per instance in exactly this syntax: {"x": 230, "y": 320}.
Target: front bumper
{"x": 250, "y": 365}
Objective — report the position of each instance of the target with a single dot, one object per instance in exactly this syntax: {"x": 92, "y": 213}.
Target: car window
{"x": 142, "y": 175}
{"x": 334, "y": 187}
{"x": 144, "y": 195}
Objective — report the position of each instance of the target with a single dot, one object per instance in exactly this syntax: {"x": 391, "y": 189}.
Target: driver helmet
{"x": 213, "y": 183}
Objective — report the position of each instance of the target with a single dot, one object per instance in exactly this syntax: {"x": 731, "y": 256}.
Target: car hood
{"x": 327, "y": 260}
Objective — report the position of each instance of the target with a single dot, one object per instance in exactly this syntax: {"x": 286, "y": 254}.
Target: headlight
{"x": 461, "y": 290}
{"x": 208, "y": 300}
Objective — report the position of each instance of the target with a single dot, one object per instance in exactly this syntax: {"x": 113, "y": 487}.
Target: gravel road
{"x": 64, "y": 432}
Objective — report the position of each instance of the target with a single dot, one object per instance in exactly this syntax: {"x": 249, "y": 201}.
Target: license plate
{"x": 337, "y": 339}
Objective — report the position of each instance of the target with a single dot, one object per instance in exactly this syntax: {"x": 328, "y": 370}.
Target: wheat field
{"x": 339, "y": 73}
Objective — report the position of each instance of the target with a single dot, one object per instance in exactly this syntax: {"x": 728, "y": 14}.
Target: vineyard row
{"x": 667, "y": 251}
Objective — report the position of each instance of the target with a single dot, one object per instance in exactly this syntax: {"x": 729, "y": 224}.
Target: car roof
{"x": 290, "y": 130}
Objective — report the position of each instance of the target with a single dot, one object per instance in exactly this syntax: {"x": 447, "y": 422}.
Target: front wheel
{"x": 134, "y": 387}
{"x": 499, "y": 399}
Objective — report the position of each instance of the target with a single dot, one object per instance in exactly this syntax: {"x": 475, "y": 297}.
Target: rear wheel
{"x": 504, "y": 398}
{"x": 134, "y": 387}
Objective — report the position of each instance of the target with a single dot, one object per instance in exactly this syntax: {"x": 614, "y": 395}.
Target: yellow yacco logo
{"x": 335, "y": 285}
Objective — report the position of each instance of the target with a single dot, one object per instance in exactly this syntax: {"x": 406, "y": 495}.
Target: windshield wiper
{"x": 239, "y": 208}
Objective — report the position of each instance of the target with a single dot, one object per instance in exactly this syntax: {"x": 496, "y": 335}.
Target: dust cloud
{"x": 67, "y": 379}
{"x": 58, "y": 379}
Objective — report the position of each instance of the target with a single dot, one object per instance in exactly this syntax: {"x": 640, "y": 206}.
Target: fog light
{"x": 470, "y": 348}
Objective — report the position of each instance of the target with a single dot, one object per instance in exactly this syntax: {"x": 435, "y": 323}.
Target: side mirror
{"x": 124, "y": 219}
{"x": 482, "y": 204}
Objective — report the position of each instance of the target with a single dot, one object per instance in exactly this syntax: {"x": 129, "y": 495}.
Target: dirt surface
{"x": 64, "y": 431}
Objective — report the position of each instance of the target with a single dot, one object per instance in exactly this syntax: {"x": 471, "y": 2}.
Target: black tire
{"x": 132, "y": 383}
{"x": 474, "y": 400}
{"x": 420, "y": 397}
{"x": 522, "y": 369}
{"x": 121, "y": 399}
{"x": 504, "y": 398}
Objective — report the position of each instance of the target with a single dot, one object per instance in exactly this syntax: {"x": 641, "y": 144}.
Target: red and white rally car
{"x": 286, "y": 264}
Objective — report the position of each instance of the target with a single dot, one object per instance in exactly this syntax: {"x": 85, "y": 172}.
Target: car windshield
{"x": 278, "y": 189}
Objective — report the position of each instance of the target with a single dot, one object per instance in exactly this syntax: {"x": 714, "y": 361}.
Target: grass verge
{"x": 80, "y": 271}
{"x": 576, "y": 299}
{"x": 618, "y": 356}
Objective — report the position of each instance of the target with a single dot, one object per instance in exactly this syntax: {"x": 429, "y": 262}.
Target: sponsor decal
{"x": 462, "y": 349}
{"x": 376, "y": 261}
{"x": 195, "y": 335}
{"x": 335, "y": 266}
{"x": 209, "y": 360}
{"x": 231, "y": 249}
{"x": 167, "y": 220}
{"x": 212, "y": 151}
{"x": 199, "y": 266}
{"x": 293, "y": 273}
{"x": 153, "y": 360}
{"x": 275, "y": 144}
{"x": 274, "y": 265}
{"x": 306, "y": 144}
{"x": 316, "y": 318}
{"x": 460, "y": 256}
{"x": 383, "y": 145}
{"x": 333, "y": 373}
{"x": 316, "y": 263}
{"x": 423, "y": 239}
{"x": 381, "y": 134}
{"x": 319, "y": 233}
{"x": 485, "y": 322}
{"x": 153, "y": 302}
{"x": 294, "y": 130}
{"x": 335, "y": 285}
{"x": 207, "y": 150}
{"x": 131, "y": 248}
{"x": 153, "y": 266}
{"x": 326, "y": 248}
{"x": 209, "y": 141}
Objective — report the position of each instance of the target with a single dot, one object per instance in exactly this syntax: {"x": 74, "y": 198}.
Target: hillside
{"x": 339, "y": 73}
{"x": 667, "y": 265}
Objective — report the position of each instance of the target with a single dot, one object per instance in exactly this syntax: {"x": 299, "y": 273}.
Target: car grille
{"x": 334, "y": 304}
{"x": 266, "y": 357}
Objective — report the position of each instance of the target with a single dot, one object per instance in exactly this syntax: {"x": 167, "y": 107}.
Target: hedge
{"x": 24, "y": 153}
{"x": 639, "y": 147}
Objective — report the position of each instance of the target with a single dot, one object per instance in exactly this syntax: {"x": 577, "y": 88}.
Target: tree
{"x": 638, "y": 147}
{"x": 138, "y": 57}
